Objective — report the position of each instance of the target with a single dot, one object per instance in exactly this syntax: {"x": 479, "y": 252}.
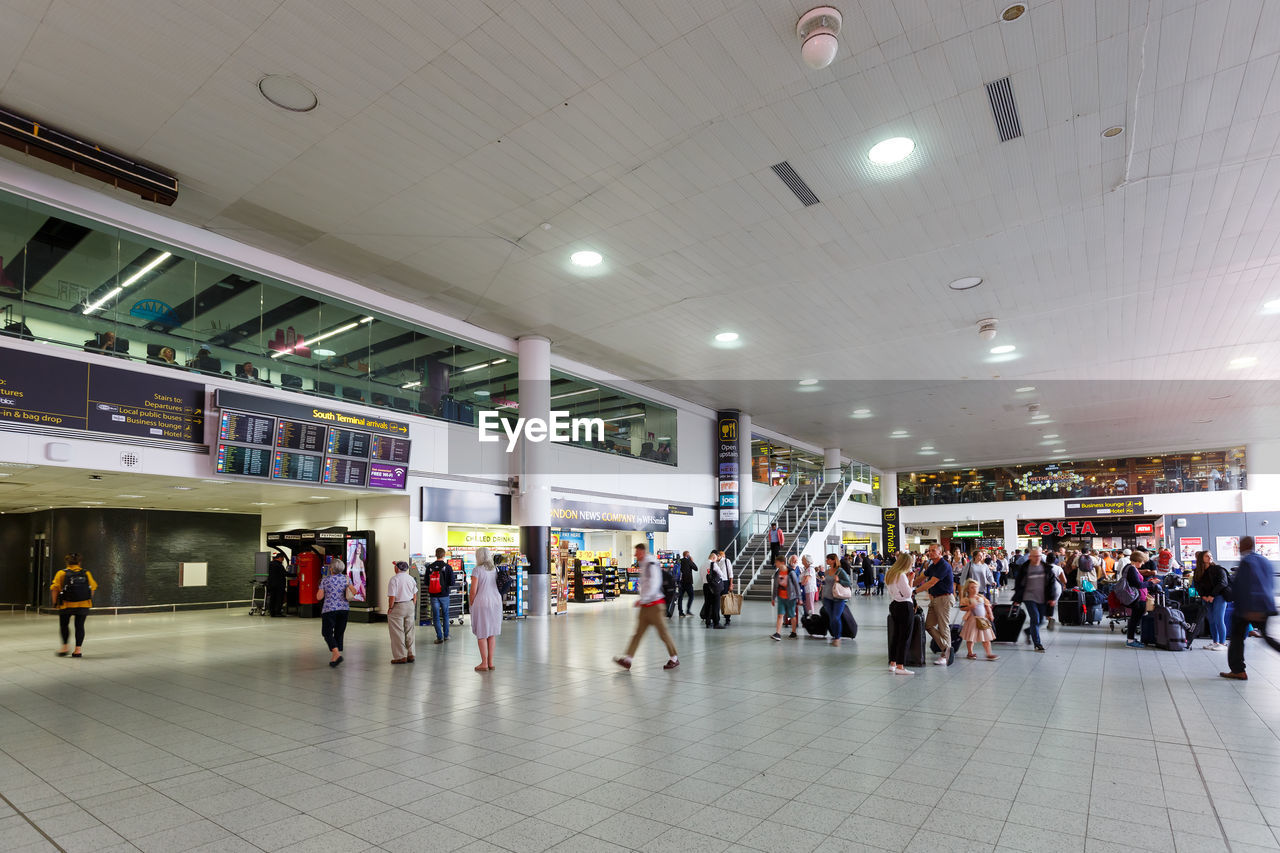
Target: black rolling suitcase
{"x": 915, "y": 639}
{"x": 815, "y": 623}
{"x": 955, "y": 644}
{"x": 1093, "y": 608}
{"x": 1009, "y": 621}
{"x": 1071, "y": 607}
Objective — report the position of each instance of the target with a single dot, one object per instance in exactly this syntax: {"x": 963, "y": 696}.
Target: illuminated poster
{"x": 1187, "y": 547}
{"x": 728, "y": 474}
{"x": 1228, "y": 548}
{"x": 1267, "y": 546}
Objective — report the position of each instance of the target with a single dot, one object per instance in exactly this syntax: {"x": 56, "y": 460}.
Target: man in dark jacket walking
{"x": 1253, "y": 594}
{"x": 437, "y": 583}
{"x": 688, "y": 570}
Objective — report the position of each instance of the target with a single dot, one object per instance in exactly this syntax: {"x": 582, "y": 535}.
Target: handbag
{"x": 984, "y": 624}
{"x": 839, "y": 591}
{"x": 731, "y": 604}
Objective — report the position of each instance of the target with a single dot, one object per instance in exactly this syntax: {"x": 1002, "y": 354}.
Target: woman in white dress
{"x": 486, "y": 607}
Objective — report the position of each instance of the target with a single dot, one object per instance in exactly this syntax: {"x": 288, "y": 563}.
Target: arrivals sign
{"x": 313, "y": 414}
{"x": 44, "y": 390}
{"x": 594, "y": 516}
{"x": 892, "y": 531}
{"x": 727, "y": 472}
{"x": 1105, "y": 506}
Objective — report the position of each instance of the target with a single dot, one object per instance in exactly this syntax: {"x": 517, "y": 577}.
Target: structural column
{"x": 1010, "y": 533}
{"x": 531, "y": 509}
{"x": 746, "y": 491}
{"x": 831, "y": 464}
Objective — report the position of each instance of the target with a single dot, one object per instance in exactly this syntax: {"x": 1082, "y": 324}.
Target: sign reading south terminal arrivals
{"x": 1092, "y": 507}
{"x": 313, "y": 414}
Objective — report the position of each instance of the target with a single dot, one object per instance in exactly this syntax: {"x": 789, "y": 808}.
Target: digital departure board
{"x": 390, "y": 449}
{"x": 346, "y": 472}
{"x": 297, "y": 466}
{"x": 348, "y": 442}
{"x": 296, "y": 435}
{"x": 243, "y": 461}
{"x": 244, "y": 428}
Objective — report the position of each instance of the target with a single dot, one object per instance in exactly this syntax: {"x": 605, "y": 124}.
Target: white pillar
{"x": 1011, "y": 533}
{"x": 746, "y": 489}
{"x": 888, "y": 488}
{"x": 1262, "y": 473}
{"x": 831, "y": 464}
{"x": 531, "y": 510}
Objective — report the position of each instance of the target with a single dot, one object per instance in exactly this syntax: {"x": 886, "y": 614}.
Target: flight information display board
{"x": 243, "y": 461}
{"x": 296, "y": 435}
{"x": 246, "y": 428}
{"x": 390, "y": 449}
{"x": 349, "y": 442}
{"x": 346, "y": 472}
{"x": 303, "y": 467}
{"x": 260, "y": 437}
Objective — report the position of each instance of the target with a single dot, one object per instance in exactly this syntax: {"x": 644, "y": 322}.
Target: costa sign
{"x": 1061, "y": 528}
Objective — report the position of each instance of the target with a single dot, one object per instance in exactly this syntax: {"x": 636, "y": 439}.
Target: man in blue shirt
{"x": 1253, "y": 596}
{"x": 940, "y": 582}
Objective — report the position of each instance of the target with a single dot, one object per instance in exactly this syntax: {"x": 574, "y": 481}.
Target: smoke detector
{"x": 818, "y": 30}
{"x": 987, "y": 328}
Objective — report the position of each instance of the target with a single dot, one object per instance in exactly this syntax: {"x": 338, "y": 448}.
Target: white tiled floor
{"x": 222, "y": 732}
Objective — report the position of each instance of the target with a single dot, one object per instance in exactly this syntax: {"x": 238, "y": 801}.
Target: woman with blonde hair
{"x": 976, "y": 607}
{"x": 902, "y": 610}
{"x": 486, "y": 607}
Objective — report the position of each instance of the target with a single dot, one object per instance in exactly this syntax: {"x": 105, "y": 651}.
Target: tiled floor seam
{"x": 32, "y": 824}
{"x": 1196, "y": 758}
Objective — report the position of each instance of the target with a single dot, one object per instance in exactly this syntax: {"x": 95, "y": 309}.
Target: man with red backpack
{"x": 437, "y": 582}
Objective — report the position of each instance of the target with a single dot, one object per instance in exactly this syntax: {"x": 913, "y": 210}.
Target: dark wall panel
{"x": 112, "y": 546}
{"x": 226, "y": 542}
{"x": 15, "y": 540}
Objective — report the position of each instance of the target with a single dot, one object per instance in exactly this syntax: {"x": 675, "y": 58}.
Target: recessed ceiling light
{"x": 1113, "y": 131}
{"x": 967, "y": 283}
{"x": 927, "y": 447}
{"x": 324, "y": 353}
{"x": 1273, "y": 305}
{"x": 862, "y": 411}
{"x": 586, "y": 258}
{"x": 949, "y": 459}
{"x": 93, "y": 503}
{"x": 288, "y": 93}
{"x": 181, "y": 488}
{"x": 1002, "y": 349}
{"x": 891, "y": 151}
{"x": 128, "y": 496}
{"x": 1024, "y": 389}
{"x": 808, "y": 382}
{"x": 1051, "y": 435}
{"x": 1243, "y": 361}
{"x": 480, "y": 393}
{"x": 727, "y": 337}
{"x": 1014, "y": 12}
{"x": 902, "y": 433}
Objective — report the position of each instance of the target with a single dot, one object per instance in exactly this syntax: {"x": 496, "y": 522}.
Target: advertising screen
{"x": 383, "y": 475}
{"x": 297, "y": 435}
{"x": 348, "y": 442}
{"x": 297, "y": 466}
{"x": 243, "y": 461}
{"x": 244, "y": 428}
{"x": 345, "y": 472}
{"x": 357, "y": 553}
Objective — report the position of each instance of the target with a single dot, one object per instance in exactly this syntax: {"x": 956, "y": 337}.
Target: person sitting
{"x": 105, "y": 343}
{"x": 205, "y": 362}
{"x": 247, "y": 372}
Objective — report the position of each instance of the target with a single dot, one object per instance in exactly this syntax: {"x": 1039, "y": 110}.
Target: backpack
{"x": 668, "y": 582}
{"x": 75, "y": 586}
{"x": 504, "y": 581}
{"x": 435, "y": 585}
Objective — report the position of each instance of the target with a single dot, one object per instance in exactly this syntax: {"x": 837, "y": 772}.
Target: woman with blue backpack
{"x": 72, "y": 591}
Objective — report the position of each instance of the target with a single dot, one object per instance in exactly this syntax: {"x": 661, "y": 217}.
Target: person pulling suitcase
{"x": 899, "y": 582}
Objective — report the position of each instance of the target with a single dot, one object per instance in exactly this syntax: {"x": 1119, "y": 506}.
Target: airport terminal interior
{"x": 640, "y": 425}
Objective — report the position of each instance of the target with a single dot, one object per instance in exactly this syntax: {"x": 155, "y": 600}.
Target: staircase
{"x": 801, "y": 514}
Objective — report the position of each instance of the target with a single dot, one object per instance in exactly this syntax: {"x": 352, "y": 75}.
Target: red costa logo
{"x": 1061, "y": 528}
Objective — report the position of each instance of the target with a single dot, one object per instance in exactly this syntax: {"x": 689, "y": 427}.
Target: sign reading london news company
{"x": 594, "y": 516}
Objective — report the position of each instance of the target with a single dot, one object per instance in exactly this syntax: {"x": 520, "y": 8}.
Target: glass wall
{"x": 78, "y": 283}
{"x": 1168, "y": 473}
{"x": 775, "y": 463}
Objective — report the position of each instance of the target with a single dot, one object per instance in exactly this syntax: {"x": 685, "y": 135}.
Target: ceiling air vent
{"x": 1004, "y": 109}
{"x": 795, "y": 183}
{"x": 130, "y": 460}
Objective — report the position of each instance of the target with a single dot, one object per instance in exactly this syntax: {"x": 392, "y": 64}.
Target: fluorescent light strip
{"x": 574, "y": 393}
{"x": 411, "y": 384}
{"x": 624, "y": 418}
{"x": 317, "y": 339}
{"x": 160, "y": 259}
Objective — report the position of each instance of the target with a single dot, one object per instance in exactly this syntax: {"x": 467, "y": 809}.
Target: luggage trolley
{"x": 258, "y": 597}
